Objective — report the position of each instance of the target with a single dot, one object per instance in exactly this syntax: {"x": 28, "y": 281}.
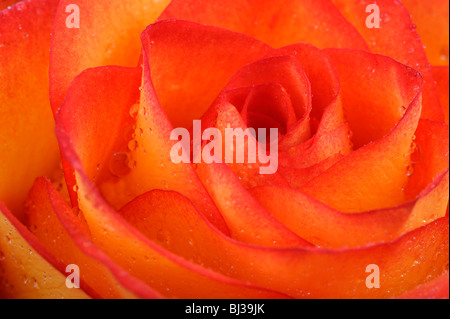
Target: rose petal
{"x": 323, "y": 147}
{"x": 373, "y": 177}
{"x": 442, "y": 78}
{"x": 108, "y": 35}
{"x": 61, "y": 232}
{"x": 7, "y": 3}
{"x": 430, "y": 158}
{"x": 431, "y": 18}
{"x": 247, "y": 220}
{"x": 313, "y": 21}
{"x": 28, "y": 148}
{"x": 397, "y": 38}
{"x": 323, "y": 78}
{"x": 329, "y": 228}
{"x": 404, "y": 264}
{"x": 169, "y": 274}
{"x": 298, "y": 177}
{"x": 98, "y": 104}
{"x": 436, "y": 289}
{"x": 191, "y": 63}
{"x": 249, "y": 173}
{"x": 27, "y": 269}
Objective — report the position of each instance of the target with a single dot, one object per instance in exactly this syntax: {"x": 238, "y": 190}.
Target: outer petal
{"x": 398, "y": 39}
{"x": 312, "y": 21}
{"x": 168, "y": 274}
{"x": 374, "y": 176}
{"x": 326, "y": 227}
{"x": 28, "y": 148}
{"x": 436, "y": 289}
{"x": 27, "y": 270}
{"x": 190, "y": 64}
{"x": 63, "y": 234}
{"x": 442, "y": 78}
{"x": 414, "y": 259}
{"x": 430, "y": 158}
{"x": 108, "y": 35}
{"x": 7, "y": 3}
{"x": 98, "y": 104}
{"x": 431, "y": 18}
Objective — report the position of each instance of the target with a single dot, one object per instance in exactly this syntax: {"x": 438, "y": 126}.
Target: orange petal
{"x": 313, "y": 21}
{"x": 99, "y": 103}
{"x": 323, "y": 146}
{"x": 61, "y": 232}
{"x": 108, "y": 35}
{"x": 247, "y": 220}
{"x": 430, "y": 158}
{"x": 7, "y": 3}
{"x": 373, "y": 177}
{"x": 398, "y": 39}
{"x": 27, "y": 269}
{"x": 431, "y": 18}
{"x": 190, "y": 64}
{"x": 329, "y": 228}
{"x": 28, "y": 147}
{"x": 414, "y": 259}
{"x": 323, "y": 78}
{"x": 298, "y": 177}
{"x": 442, "y": 78}
{"x": 436, "y": 289}
{"x": 169, "y": 274}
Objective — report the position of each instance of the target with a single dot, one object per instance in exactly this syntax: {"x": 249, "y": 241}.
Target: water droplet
{"x": 134, "y": 110}
{"x": 119, "y": 165}
{"x": 133, "y": 145}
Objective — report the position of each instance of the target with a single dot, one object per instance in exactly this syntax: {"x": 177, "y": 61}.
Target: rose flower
{"x": 94, "y": 206}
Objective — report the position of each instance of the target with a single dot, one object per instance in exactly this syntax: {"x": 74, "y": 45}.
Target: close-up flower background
{"x": 86, "y": 177}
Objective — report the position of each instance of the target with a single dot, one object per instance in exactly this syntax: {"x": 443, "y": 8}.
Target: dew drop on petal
{"x": 133, "y": 145}
{"x": 119, "y": 165}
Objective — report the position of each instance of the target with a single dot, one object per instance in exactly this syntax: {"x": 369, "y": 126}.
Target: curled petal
{"x": 108, "y": 35}
{"x": 67, "y": 237}
{"x": 414, "y": 259}
{"x": 398, "y": 39}
{"x": 436, "y": 289}
{"x": 441, "y": 76}
{"x": 431, "y": 18}
{"x": 247, "y": 220}
{"x": 27, "y": 269}
{"x": 373, "y": 177}
{"x": 430, "y": 157}
{"x": 329, "y": 228}
{"x": 25, "y": 114}
{"x": 190, "y": 63}
{"x": 313, "y": 21}
{"x": 168, "y": 274}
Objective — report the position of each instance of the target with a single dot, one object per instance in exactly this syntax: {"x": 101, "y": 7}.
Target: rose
{"x": 361, "y": 178}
